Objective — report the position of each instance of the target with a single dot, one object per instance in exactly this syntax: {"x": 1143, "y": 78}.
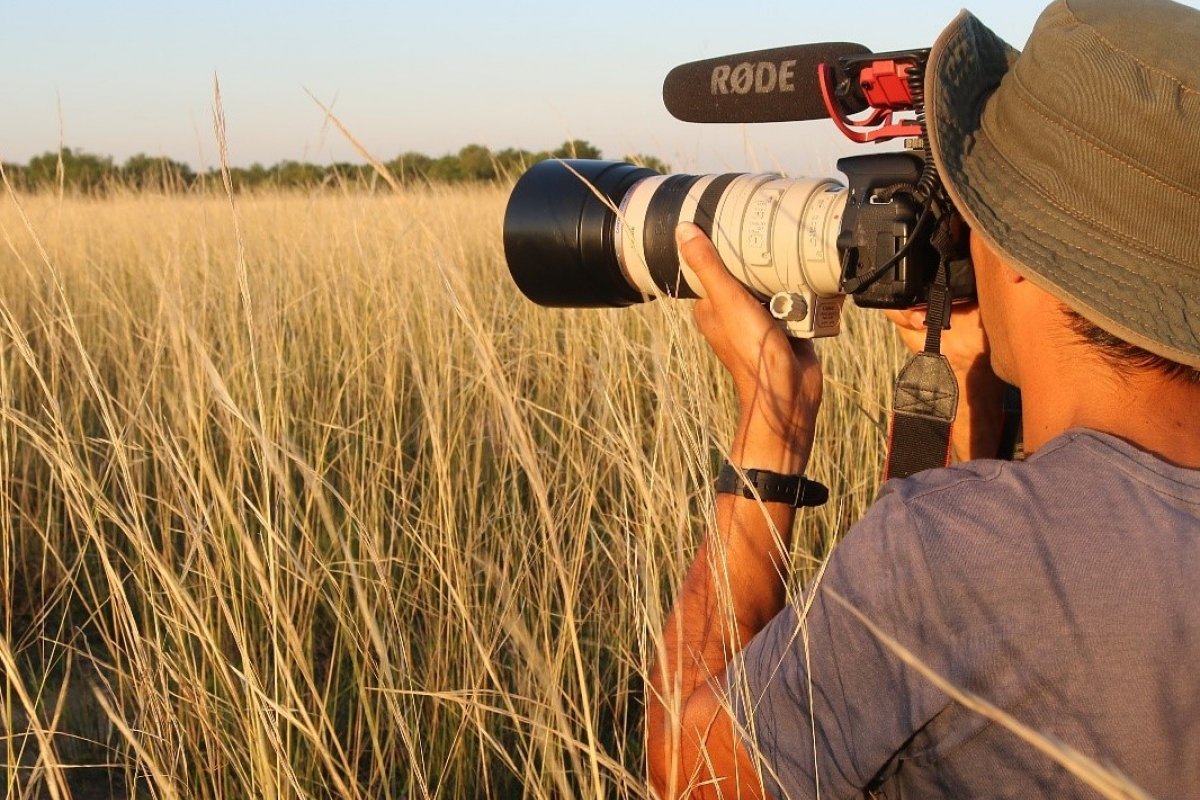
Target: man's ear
{"x": 981, "y": 249}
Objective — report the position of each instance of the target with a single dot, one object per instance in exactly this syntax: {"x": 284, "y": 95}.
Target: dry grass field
{"x": 300, "y": 498}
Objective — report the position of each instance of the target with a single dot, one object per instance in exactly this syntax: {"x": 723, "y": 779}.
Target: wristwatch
{"x": 771, "y": 487}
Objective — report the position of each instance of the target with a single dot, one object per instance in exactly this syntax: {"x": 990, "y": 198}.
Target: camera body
{"x": 581, "y": 233}
{"x": 879, "y": 223}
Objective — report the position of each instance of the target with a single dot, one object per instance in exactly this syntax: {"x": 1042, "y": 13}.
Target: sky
{"x": 138, "y": 76}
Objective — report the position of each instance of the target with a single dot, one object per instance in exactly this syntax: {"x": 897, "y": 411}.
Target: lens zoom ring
{"x": 706, "y": 210}
{"x": 658, "y": 239}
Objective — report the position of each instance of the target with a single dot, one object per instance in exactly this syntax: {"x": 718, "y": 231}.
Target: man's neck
{"x": 1078, "y": 389}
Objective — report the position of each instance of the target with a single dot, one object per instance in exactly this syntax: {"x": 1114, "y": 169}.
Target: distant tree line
{"x": 89, "y": 173}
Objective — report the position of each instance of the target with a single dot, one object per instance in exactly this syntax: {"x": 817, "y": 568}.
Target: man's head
{"x": 1075, "y": 164}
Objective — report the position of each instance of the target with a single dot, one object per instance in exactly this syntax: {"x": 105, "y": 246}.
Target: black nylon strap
{"x": 1011, "y": 447}
{"x": 771, "y": 487}
{"x": 916, "y": 445}
{"x": 937, "y": 316}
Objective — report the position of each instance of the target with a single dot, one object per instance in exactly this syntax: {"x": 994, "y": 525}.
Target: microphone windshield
{"x": 777, "y": 85}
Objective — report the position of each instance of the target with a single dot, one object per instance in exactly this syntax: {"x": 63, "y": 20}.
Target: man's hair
{"x": 1120, "y": 354}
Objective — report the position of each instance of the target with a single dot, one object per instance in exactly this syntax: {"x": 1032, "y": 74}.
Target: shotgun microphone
{"x": 776, "y": 85}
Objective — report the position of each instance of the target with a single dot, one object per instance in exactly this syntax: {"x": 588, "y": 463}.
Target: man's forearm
{"x": 733, "y": 588}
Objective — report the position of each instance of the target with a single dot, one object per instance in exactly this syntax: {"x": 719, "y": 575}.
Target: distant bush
{"x": 90, "y": 173}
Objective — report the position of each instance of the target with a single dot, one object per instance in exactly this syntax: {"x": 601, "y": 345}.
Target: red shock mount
{"x": 885, "y": 85}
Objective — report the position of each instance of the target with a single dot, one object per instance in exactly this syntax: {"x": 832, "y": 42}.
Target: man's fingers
{"x": 703, "y": 314}
{"x": 704, "y": 260}
{"x": 911, "y": 319}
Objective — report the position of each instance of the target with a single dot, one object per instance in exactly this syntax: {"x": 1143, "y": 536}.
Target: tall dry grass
{"x": 303, "y": 499}
{"x": 300, "y": 498}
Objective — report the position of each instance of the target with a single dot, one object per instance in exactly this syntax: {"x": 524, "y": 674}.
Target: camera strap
{"x": 926, "y": 396}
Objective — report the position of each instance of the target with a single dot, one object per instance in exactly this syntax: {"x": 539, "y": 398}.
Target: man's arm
{"x": 736, "y": 583}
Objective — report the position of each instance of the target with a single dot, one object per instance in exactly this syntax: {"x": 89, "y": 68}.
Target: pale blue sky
{"x": 136, "y": 75}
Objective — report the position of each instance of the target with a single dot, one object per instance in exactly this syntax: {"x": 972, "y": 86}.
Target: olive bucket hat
{"x": 1078, "y": 159}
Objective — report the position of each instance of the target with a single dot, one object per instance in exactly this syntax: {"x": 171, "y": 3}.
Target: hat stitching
{"x": 1030, "y": 100}
{"x": 1115, "y": 300}
{"x": 1085, "y": 277}
{"x": 1076, "y": 229}
{"x": 1113, "y": 315}
{"x": 1112, "y": 311}
{"x": 1079, "y": 215}
{"x": 1118, "y": 49}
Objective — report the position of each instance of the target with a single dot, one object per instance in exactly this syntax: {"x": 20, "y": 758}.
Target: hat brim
{"x": 1129, "y": 294}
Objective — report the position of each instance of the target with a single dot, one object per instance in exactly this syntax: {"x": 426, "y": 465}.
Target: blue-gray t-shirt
{"x": 1064, "y": 589}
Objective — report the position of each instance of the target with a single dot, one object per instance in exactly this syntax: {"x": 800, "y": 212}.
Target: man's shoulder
{"x": 1075, "y": 470}
{"x": 946, "y": 484}
{"x": 968, "y": 509}
{"x": 955, "y": 500}
{"x": 1081, "y": 485}
{"x": 1077, "y": 465}
{"x": 963, "y": 482}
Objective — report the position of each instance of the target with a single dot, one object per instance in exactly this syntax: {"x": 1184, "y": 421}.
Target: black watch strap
{"x": 771, "y": 487}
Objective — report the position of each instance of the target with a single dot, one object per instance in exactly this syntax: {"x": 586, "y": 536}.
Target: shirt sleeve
{"x": 825, "y": 704}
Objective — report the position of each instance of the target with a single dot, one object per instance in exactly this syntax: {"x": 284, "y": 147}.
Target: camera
{"x": 584, "y": 233}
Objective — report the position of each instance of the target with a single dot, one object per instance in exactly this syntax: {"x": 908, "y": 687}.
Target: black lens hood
{"x": 559, "y": 233}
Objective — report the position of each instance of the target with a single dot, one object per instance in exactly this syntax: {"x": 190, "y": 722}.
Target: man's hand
{"x": 981, "y": 394}
{"x": 778, "y": 380}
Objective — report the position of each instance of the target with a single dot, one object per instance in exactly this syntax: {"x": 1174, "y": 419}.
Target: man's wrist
{"x": 781, "y": 446}
{"x": 794, "y": 491}
{"x": 776, "y": 418}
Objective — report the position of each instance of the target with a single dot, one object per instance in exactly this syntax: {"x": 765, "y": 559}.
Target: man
{"x": 1064, "y": 590}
